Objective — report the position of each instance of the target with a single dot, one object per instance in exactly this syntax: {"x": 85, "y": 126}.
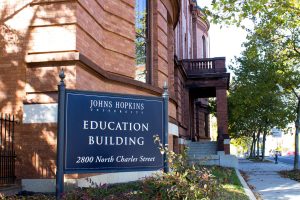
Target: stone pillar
{"x": 222, "y": 120}
{"x": 170, "y": 142}
{"x": 181, "y": 144}
{"x": 176, "y": 148}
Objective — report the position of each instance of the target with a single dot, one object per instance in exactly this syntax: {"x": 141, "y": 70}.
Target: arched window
{"x": 204, "y": 46}
{"x": 142, "y": 40}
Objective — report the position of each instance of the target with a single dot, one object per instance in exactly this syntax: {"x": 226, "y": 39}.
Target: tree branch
{"x": 294, "y": 91}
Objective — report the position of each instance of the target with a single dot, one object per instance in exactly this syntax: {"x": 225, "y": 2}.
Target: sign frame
{"x": 109, "y": 95}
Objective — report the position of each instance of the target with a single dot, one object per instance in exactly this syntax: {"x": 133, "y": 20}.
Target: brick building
{"x": 122, "y": 46}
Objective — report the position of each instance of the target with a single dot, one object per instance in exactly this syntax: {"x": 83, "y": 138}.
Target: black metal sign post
{"x": 165, "y": 96}
{"x": 60, "y": 137}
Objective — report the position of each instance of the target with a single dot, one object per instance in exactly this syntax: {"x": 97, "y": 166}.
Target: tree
{"x": 256, "y": 102}
{"x": 276, "y": 33}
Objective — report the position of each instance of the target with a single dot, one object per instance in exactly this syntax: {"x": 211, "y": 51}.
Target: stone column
{"x": 222, "y": 120}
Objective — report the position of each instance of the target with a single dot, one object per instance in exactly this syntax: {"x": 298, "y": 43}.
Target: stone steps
{"x": 200, "y": 149}
{"x": 205, "y": 153}
{"x": 9, "y": 190}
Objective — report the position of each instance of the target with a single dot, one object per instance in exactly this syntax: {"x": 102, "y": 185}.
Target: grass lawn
{"x": 231, "y": 185}
{"x": 224, "y": 181}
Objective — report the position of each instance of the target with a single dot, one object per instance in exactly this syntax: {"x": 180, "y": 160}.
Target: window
{"x": 204, "y": 46}
{"x": 142, "y": 41}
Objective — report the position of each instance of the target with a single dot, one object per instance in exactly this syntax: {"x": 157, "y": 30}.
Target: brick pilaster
{"x": 222, "y": 117}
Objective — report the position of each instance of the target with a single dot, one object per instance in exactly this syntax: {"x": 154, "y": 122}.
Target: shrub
{"x": 184, "y": 181}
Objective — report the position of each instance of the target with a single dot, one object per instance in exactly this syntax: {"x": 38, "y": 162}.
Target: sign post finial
{"x": 166, "y": 92}
{"x": 62, "y": 76}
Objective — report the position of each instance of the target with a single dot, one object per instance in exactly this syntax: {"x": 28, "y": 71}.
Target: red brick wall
{"x": 105, "y": 34}
{"x": 45, "y": 36}
{"x": 182, "y": 96}
{"x": 35, "y": 150}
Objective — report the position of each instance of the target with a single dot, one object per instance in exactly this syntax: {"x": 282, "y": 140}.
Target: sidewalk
{"x": 266, "y": 181}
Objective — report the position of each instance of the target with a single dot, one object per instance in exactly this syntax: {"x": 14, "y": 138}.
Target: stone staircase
{"x": 205, "y": 153}
{"x": 200, "y": 149}
{"x": 9, "y": 190}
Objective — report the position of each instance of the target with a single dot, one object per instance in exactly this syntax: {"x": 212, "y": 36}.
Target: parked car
{"x": 290, "y": 153}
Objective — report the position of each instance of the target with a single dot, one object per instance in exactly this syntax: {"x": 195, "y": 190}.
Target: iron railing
{"x": 7, "y": 152}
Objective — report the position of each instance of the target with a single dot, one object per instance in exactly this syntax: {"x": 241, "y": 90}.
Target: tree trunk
{"x": 257, "y": 141}
{"x": 264, "y": 145}
{"x": 252, "y": 149}
{"x": 297, "y": 123}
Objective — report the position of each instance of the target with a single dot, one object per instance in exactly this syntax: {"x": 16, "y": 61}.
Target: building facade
{"x": 119, "y": 46}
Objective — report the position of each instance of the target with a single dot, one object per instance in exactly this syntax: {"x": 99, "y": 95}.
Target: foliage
{"x": 141, "y": 33}
{"x": 276, "y": 30}
{"x": 256, "y": 101}
{"x": 30, "y": 196}
{"x": 280, "y": 12}
{"x": 244, "y": 142}
{"x": 212, "y": 106}
{"x": 267, "y": 73}
{"x": 292, "y": 174}
{"x": 266, "y": 87}
{"x": 183, "y": 182}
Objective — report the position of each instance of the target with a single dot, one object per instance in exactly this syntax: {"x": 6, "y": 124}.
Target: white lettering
{"x": 91, "y": 140}
{"x": 109, "y": 127}
{"x": 85, "y": 124}
{"x": 112, "y": 126}
{"x": 110, "y": 140}
{"x": 145, "y": 127}
{"x": 135, "y": 125}
{"x": 95, "y": 125}
{"x": 140, "y": 141}
{"x": 119, "y": 141}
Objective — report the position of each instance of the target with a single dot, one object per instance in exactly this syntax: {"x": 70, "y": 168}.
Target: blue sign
{"x": 112, "y": 132}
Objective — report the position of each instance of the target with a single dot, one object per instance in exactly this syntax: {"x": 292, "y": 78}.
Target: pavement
{"x": 266, "y": 183}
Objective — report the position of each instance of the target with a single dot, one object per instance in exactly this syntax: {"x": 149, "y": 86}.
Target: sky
{"x": 225, "y": 41}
